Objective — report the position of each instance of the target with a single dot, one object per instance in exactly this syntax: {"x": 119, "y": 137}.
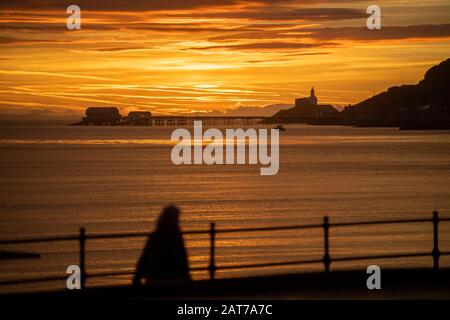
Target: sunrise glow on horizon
{"x": 172, "y": 57}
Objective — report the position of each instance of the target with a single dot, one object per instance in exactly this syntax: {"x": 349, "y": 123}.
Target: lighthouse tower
{"x": 313, "y": 98}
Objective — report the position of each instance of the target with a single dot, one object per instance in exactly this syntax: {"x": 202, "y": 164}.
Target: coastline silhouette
{"x": 164, "y": 257}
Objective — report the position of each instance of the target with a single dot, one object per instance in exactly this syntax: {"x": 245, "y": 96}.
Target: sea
{"x": 56, "y": 179}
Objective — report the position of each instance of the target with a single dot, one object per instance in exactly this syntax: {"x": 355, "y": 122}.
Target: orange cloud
{"x": 178, "y": 56}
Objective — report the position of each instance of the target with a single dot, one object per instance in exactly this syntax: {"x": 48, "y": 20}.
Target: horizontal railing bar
{"x": 32, "y": 280}
{"x": 195, "y": 232}
{"x": 91, "y": 236}
{"x": 141, "y": 234}
{"x": 113, "y": 273}
{"x": 125, "y": 273}
{"x": 41, "y": 239}
{"x": 230, "y": 230}
{"x": 339, "y": 224}
{"x": 199, "y": 269}
{"x": 383, "y": 256}
{"x": 256, "y": 265}
{"x": 116, "y": 235}
{"x": 144, "y": 234}
{"x": 269, "y": 264}
{"x": 359, "y": 223}
{"x": 134, "y": 234}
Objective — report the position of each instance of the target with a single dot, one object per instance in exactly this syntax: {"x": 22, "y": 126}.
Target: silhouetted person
{"x": 164, "y": 257}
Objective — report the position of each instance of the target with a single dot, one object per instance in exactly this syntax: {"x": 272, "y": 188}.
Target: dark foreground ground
{"x": 395, "y": 284}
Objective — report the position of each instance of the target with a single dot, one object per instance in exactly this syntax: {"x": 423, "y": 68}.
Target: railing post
{"x": 82, "y": 240}
{"x": 212, "y": 236}
{"x": 326, "y": 256}
{"x": 435, "y": 253}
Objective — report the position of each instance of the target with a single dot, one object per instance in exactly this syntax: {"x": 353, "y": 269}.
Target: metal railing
{"x": 212, "y": 268}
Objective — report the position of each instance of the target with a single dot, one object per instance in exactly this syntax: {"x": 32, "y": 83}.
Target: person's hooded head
{"x": 169, "y": 219}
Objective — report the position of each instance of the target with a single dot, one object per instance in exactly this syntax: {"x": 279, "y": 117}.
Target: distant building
{"x": 311, "y": 100}
{"x": 139, "y": 118}
{"x": 308, "y": 107}
{"x": 110, "y": 116}
{"x": 102, "y": 116}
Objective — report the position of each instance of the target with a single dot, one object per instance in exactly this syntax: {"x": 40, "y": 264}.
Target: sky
{"x": 178, "y": 56}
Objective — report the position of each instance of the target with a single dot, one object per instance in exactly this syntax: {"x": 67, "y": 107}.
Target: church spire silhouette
{"x": 312, "y": 97}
